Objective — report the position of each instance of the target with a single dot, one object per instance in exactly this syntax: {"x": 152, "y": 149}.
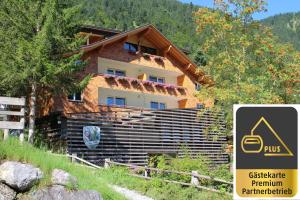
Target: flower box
{"x": 159, "y": 84}
{"x": 158, "y": 59}
{"x": 146, "y": 56}
{"x": 148, "y": 82}
{"x": 135, "y": 81}
{"x": 170, "y": 87}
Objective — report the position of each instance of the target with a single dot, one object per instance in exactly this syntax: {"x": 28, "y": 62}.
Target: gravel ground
{"x": 129, "y": 194}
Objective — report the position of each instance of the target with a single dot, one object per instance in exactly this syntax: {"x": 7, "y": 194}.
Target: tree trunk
{"x": 32, "y": 113}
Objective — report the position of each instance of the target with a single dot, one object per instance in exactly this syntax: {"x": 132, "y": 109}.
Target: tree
{"x": 34, "y": 38}
{"x": 246, "y": 61}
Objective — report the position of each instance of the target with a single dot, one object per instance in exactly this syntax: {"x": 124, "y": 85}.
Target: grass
{"x": 12, "y": 150}
{"x": 100, "y": 179}
{"x": 157, "y": 189}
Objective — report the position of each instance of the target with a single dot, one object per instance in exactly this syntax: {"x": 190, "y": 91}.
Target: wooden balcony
{"x": 150, "y": 86}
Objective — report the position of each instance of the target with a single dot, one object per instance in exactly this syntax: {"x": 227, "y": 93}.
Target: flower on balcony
{"x": 109, "y": 76}
{"x": 122, "y": 78}
{"x": 135, "y": 81}
{"x": 181, "y": 89}
{"x": 148, "y": 83}
{"x": 158, "y": 58}
{"x": 146, "y": 55}
{"x": 159, "y": 84}
{"x": 170, "y": 86}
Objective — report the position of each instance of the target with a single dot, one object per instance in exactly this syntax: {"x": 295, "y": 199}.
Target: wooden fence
{"x": 195, "y": 176}
{"x": 12, "y": 112}
{"x": 132, "y": 136}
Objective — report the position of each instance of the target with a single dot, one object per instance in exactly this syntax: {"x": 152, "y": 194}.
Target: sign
{"x": 266, "y": 153}
{"x": 91, "y": 136}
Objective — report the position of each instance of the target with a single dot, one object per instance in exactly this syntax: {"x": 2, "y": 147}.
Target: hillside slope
{"x": 172, "y": 18}
{"x": 286, "y": 27}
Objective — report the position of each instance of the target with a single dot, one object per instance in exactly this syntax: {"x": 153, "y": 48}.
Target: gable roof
{"x": 153, "y": 35}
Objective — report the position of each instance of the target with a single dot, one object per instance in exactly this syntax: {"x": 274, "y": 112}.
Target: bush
{"x": 189, "y": 163}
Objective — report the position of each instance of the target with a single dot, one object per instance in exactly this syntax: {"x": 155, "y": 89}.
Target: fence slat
{"x": 11, "y": 125}
{"x": 12, "y": 101}
{"x": 12, "y": 113}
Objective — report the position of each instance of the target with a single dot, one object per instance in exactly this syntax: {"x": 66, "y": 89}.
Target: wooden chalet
{"x": 142, "y": 96}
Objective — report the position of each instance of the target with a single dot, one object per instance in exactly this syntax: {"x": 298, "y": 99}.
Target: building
{"x": 141, "y": 97}
{"x": 139, "y": 68}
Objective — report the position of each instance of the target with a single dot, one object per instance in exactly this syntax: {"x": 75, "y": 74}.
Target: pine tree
{"x": 34, "y": 39}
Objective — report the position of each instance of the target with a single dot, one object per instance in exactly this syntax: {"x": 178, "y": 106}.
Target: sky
{"x": 274, "y": 6}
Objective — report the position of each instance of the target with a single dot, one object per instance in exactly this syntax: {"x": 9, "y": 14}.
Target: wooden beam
{"x": 201, "y": 78}
{"x": 188, "y": 66}
{"x": 101, "y": 48}
{"x": 167, "y": 50}
{"x": 12, "y": 113}
{"x": 144, "y": 33}
{"x": 12, "y": 101}
{"x": 11, "y": 125}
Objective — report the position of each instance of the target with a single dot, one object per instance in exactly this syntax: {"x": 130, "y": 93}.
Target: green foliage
{"x": 171, "y": 17}
{"x": 35, "y": 36}
{"x": 189, "y": 163}
{"x": 246, "y": 61}
{"x": 286, "y": 27}
{"x": 157, "y": 189}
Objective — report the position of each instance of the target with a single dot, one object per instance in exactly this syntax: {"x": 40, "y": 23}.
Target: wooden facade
{"x": 132, "y": 136}
{"x": 107, "y": 52}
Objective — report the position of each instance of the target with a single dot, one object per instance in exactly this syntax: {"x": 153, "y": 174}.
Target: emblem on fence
{"x": 91, "y": 136}
{"x": 266, "y": 152}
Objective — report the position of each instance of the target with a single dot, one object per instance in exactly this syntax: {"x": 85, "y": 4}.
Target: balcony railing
{"x": 145, "y": 82}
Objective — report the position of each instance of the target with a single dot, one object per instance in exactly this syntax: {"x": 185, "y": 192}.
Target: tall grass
{"x": 99, "y": 180}
{"x": 157, "y": 189}
{"x": 87, "y": 178}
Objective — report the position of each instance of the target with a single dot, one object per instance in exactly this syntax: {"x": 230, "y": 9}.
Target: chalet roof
{"x": 153, "y": 35}
{"x": 99, "y": 30}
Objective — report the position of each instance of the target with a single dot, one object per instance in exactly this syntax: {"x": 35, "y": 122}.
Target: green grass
{"x": 157, "y": 189}
{"x": 87, "y": 178}
{"x": 100, "y": 179}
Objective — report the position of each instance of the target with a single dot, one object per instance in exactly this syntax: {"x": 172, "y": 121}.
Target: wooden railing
{"x": 12, "y": 108}
{"x": 195, "y": 176}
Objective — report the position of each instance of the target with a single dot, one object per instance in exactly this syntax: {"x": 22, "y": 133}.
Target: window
{"x": 111, "y": 71}
{"x": 110, "y": 101}
{"x": 149, "y": 50}
{"x": 130, "y": 47}
{"x": 120, "y": 73}
{"x": 120, "y": 101}
{"x": 157, "y": 105}
{"x": 76, "y": 96}
{"x": 197, "y": 86}
{"x": 116, "y": 72}
{"x": 156, "y": 79}
{"x": 200, "y": 106}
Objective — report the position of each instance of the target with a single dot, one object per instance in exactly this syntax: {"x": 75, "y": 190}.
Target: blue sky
{"x": 274, "y": 6}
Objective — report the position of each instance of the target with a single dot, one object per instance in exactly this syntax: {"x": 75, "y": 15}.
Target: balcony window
{"x": 157, "y": 105}
{"x": 200, "y": 106}
{"x": 130, "y": 47}
{"x": 110, "y": 101}
{"x": 116, "y": 72}
{"x": 76, "y": 96}
{"x": 197, "y": 86}
{"x": 149, "y": 50}
{"x": 156, "y": 79}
